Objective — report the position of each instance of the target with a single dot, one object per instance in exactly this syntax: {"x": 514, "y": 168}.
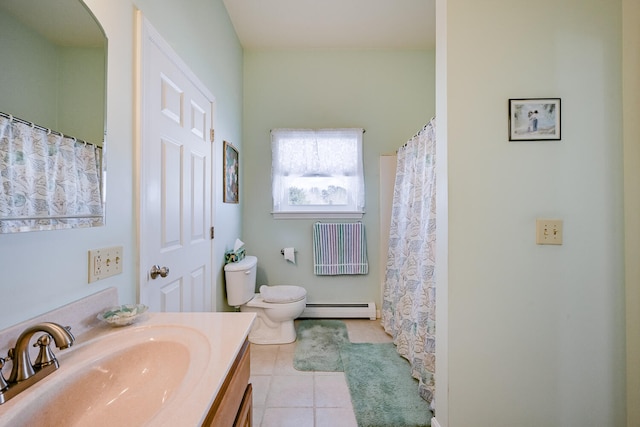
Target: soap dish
{"x": 123, "y": 315}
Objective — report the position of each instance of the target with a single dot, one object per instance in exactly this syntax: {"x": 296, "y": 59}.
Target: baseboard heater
{"x": 355, "y": 310}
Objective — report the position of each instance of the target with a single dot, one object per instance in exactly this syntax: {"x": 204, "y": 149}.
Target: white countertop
{"x": 224, "y": 335}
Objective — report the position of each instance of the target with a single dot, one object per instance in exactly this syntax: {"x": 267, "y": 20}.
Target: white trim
{"x": 337, "y": 310}
{"x": 443, "y": 214}
{"x": 386, "y": 184}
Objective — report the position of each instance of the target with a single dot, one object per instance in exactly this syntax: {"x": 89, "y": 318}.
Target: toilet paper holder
{"x": 282, "y": 252}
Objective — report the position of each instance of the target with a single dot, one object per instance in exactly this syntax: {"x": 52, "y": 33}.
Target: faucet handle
{"x": 45, "y": 356}
{"x": 44, "y": 339}
{"x": 3, "y": 382}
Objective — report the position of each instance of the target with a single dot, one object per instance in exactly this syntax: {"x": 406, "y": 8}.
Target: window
{"x": 317, "y": 173}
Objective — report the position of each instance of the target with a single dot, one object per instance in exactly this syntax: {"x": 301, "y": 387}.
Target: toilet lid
{"x": 282, "y": 293}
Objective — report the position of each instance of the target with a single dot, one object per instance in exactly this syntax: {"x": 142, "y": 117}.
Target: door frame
{"x": 146, "y": 33}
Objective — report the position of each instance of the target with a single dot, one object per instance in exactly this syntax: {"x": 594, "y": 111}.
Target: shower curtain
{"x": 47, "y": 181}
{"x": 408, "y": 305}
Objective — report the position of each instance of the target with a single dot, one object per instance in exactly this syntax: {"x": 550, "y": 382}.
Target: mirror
{"x": 53, "y": 80}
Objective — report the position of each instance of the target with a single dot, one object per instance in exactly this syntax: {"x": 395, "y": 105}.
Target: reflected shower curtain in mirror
{"x": 47, "y": 181}
{"x": 408, "y": 305}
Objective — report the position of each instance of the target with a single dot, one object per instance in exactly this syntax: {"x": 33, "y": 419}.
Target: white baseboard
{"x": 434, "y": 422}
{"x": 356, "y": 310}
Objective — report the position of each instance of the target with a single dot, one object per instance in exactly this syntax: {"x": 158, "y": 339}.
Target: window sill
{"x": 317, "y": 215}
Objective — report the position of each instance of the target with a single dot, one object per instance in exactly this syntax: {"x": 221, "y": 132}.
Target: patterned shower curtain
{"x": 408, "y": 306}
{"x": 47, "y": 181}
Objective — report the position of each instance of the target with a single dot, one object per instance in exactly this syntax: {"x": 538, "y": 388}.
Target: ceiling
{"x": 334, "y": 24}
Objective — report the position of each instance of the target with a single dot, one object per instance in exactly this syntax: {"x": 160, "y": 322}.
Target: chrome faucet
{"x": 24, "y": 374}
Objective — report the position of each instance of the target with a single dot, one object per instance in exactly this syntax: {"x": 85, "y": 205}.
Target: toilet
{"x": 275, "y": 306}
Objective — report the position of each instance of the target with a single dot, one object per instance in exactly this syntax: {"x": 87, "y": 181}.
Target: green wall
{"x": 535, "y": 334}
{"x": 44, "y": 270}
{"x": 389, "y": 93}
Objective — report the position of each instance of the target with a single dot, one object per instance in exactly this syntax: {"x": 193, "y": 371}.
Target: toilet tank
{"x": 240, "y": 279}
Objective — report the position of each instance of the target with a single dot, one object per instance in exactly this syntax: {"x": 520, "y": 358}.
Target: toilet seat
{"x": 282, "y": 294}
{"x": 277, "y": 295}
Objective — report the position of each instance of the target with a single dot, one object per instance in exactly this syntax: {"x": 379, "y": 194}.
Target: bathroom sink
{"x": 125, "y": 377}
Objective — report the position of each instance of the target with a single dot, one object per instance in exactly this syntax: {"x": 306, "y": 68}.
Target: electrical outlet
{"x": 548, "y": 231}
{"x": 105, "y": 262}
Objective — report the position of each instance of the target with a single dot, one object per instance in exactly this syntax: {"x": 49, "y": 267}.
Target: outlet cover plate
{"x": 548, "y": 231}
{"x": 105, "y": 262}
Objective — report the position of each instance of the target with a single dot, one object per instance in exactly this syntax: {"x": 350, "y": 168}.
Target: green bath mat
{"x": 318, "y": 346}
{"x": 382, "y": 390}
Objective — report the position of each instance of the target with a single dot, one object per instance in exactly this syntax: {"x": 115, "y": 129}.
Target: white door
{"x": 175, "y": 164}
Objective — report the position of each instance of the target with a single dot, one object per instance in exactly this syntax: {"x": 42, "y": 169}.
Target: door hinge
{"x": 212, "y": 133}
{"x": 212, "y": 233}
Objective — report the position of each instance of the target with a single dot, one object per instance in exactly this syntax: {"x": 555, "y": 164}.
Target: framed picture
{"x": 534, "y": 119}
{"x": 230, "y": 176}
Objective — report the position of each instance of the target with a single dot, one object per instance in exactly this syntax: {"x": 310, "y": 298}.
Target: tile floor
{"x": 283, "y": 396}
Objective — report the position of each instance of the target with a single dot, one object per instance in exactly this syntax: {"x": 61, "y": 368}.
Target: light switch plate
{"x": 548, "y": 231}
{"x": 105, "y": 262}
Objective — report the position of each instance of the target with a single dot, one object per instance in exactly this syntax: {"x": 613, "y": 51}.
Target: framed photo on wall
{"x": 534, "y": 119}
{"x": 230, "y": 175}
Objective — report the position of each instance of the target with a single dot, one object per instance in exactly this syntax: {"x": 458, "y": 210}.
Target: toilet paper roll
{"x": 290, "y": 255}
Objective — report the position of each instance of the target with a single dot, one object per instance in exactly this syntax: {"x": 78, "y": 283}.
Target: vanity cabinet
{"x": 233, "y": 404}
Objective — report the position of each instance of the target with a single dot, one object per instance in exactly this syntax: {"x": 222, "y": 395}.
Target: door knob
{"x": 156, "y": 271}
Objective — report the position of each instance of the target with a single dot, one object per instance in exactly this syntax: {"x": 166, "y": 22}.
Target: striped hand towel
{"x": 339, "y": 249}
